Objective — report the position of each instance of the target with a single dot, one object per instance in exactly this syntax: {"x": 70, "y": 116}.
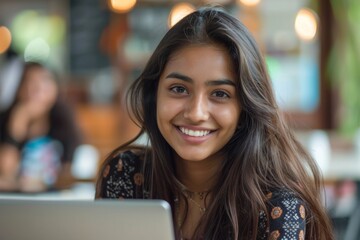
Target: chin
{"x": 193, "y": 157}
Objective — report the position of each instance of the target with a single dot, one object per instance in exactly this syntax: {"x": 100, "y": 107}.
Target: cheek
{"x": 228, "y": 117}
{"x": 48, "y": 96}
{"x": 167, "y": 110}
{"x": 161, "y": 110}
{"x": 22, "y": 95}
{"x": 51, "y": 100}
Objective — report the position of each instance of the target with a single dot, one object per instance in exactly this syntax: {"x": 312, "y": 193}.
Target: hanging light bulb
{"x": 249, "y": 3}
{"x": 5, "y": 39}
{"x": 179, "y": 11}
{"x": 121, "y": 6}
{"x": 221, "y": 2}
{"x": 306, "y": 24}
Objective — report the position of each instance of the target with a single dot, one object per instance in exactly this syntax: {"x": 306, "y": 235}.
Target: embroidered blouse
{"x": 122, "y": 178}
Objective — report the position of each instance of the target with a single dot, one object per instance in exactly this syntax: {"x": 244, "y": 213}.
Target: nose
{"x": 197, "y": 109}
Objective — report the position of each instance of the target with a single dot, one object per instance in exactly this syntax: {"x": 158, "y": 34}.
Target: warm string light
{"x": 306, "y": 24}
{"x": 221, "y": 2}
{"x": 179, "y": 11}
{"x": 121, "y": 6}
{"x": 5, "y": 39}
{"x": 249, "y": 3}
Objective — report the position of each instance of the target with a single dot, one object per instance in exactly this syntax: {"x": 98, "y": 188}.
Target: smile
{"x": 194, "y": 133}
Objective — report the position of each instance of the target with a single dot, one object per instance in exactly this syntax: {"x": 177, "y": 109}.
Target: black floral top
{"x": 122, "y": 178}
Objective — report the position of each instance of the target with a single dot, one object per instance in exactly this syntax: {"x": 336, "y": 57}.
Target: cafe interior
{"x": 98, "y": 47}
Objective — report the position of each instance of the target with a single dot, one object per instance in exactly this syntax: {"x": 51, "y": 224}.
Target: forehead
{"x": 193, "y": 50}
{"x": 38, "y": 74}
{"x": 34, "y": 70}
{"x": 205, "y": 58}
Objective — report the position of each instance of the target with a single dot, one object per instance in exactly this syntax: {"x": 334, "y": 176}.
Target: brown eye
{"x": 220, "y": 94}
{"x": 178, "y": 90}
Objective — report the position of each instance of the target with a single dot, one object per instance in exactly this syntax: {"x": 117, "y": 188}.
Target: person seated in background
{"x": 38, "y": 134}
{"x": 219, "y": 149}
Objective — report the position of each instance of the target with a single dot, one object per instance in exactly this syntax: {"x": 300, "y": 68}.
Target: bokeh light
{"x": 306, "y": 24}
{"x": 29, "y": 25}
{"x": 249, "y": 2}
{"x": 221, "y": 2}
{"x": 179, "y": 11}
{"x": 5, "y": 39}
{"x": 121, "y": 6}
{"x": 37, "y": 50}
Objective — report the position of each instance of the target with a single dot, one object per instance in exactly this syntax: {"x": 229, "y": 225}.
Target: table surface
{"x": 343, "y": 165}
{"x": 79, "y": 191}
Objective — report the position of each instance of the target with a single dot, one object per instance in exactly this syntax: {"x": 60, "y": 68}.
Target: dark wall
{"x": 88, "y": 18}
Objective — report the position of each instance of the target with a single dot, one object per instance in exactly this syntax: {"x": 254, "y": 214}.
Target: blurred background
{"x": 98, "y": 47}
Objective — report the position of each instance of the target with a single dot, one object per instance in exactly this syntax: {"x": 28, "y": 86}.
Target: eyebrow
{"x": 216, "y": 82}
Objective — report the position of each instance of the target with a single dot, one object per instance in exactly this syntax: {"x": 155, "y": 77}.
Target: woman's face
{"x": 39, "y": 88}
{"x": 197, "y": 104}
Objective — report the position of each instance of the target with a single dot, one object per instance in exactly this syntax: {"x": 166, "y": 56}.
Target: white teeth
{"x": 194, "y": 133}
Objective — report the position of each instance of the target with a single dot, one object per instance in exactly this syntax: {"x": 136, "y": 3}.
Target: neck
{"x": 39, "y": 126}
{"x": 197, "y": 176}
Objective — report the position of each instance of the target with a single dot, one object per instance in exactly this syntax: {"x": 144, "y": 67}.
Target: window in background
{"x": 287, "y": 33}
{"x": 292, "y": 59}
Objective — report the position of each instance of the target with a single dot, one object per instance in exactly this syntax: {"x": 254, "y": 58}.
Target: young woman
{"x": 220, "y": 152}
{"x": 38, "y": 134}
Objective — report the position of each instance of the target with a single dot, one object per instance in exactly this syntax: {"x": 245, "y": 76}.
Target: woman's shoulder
{"x": 130, "y": 157}
{"x": 284, "y": 199}
{"x": 286, "y": 214}
{"x": 122, "y": 175}
{"x": 281, "y": 193}
{"x": 123, "y": 163}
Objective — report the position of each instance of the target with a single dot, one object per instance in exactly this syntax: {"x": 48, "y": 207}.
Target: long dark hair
{"x": 262, "y": 155}
{"x": 62, "y": 124}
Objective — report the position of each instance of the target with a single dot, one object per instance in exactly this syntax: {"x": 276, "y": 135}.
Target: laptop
{"x": 90, "y": 220}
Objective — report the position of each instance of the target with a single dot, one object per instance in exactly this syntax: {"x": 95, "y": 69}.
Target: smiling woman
{"x": 197, "y": 113}
{"x": 220, "y": 152}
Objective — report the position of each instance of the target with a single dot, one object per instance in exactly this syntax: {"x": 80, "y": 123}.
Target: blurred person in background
{"x": 38, "y": 134}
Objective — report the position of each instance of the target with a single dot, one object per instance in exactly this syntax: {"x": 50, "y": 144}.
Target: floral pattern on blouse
{"x": 122, "y": 177}
{"x": 285, "y": 218}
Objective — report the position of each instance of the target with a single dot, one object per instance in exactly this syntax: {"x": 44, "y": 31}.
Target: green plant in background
{"x": 344, "y": 62}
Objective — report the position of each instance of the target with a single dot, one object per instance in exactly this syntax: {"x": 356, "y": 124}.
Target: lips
{"x": 194, "y": 133}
